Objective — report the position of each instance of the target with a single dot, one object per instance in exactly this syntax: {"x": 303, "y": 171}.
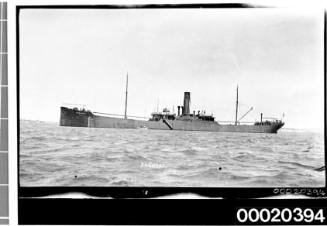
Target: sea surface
{"x": 51, "y": 155}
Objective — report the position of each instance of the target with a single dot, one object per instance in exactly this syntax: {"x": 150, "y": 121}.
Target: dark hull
{"x": 76, "y": 118}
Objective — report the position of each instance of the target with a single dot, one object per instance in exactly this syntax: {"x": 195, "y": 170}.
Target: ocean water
{"x": 51, "y": 155}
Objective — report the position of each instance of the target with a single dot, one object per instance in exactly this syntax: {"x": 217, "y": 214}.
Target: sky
{"x": 82, "y": 56}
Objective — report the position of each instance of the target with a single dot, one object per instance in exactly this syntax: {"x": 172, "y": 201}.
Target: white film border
{"x": 4, "y": 219}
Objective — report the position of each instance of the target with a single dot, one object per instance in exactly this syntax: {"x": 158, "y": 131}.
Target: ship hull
{"x": 76, "y": 118}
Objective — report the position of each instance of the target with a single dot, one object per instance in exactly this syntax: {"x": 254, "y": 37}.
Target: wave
{"x": 121, "y": 183}
{"x": 298, "y": 164}
{"x": 51, "y": 155}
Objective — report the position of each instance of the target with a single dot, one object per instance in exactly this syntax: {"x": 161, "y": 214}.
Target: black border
{"x": 150, "y": 211}
{"x": 44, "y": 210}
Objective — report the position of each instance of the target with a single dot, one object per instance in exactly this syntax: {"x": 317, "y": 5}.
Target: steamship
{"x": 166, "y": 120}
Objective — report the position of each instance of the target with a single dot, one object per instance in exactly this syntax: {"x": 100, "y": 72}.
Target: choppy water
{"x": 51, "y": 155}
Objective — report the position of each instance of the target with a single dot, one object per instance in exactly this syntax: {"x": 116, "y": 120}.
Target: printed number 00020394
{"x": 280, "y": 215}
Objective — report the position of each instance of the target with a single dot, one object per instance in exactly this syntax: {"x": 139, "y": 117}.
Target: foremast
{"x": 125, "y": 115}
{"x": 236, "y": 105}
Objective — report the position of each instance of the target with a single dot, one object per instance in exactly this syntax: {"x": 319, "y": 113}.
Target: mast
{"x": 236, "y": 105}
{"x": 126, "y": 96}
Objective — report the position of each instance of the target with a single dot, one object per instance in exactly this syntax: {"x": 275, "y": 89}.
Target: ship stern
{"x": 74, "y": 117}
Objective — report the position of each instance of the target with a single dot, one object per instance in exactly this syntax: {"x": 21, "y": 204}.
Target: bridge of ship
{"x": 184, "y": 115}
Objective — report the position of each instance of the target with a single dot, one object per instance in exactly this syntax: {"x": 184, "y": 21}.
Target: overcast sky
{"x": 82, "y": 56}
